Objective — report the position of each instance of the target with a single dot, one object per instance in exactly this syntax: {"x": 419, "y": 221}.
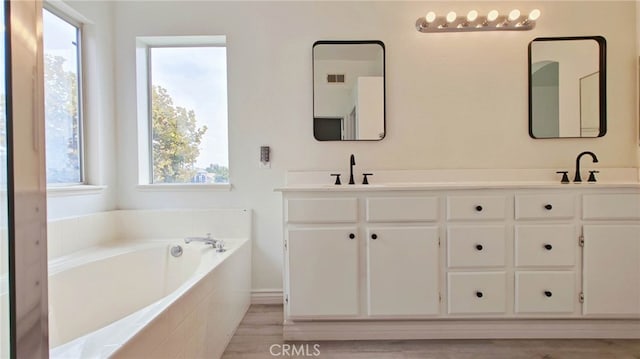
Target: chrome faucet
{"x": 352, "y": 163}
{"x": 577, "y": 177}
{"x": 206, "y": 240}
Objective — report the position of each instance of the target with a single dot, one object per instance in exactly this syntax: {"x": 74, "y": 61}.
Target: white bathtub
{"x": 134, "y": 299}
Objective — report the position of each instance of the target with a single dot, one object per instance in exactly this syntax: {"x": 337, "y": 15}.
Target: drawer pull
{"x": 374, "y": 236}
{"x": 548, "y": 293}
{"x": 479, "y": 294}
{"x": 352, "y": 236}
{"x": 479, "y": 247}
{"x": 548, "y": 247}
{"x": 548, "y": 207}
{"x": 479, "y": 208}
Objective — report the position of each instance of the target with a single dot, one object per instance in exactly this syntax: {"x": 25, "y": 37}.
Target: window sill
{"x": 183, "y": 187}
{"x": 74, "y": 190}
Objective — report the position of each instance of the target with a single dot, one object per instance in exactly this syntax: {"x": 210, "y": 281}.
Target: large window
{"x": 63, "y": 115}
{"x": 188, "y": 114}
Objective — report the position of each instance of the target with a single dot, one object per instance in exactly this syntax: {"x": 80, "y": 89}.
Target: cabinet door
{"x": 323, "y": 272}
{"x": 403, "y": 271}
{"x": 611, "y": 274}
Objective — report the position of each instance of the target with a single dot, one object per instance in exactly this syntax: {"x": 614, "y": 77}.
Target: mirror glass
{"x": 567, "y": 87}
{"x": 348, "y": 90}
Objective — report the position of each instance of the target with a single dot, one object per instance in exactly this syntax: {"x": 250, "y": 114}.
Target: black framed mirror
{"x": 349, "y": 90}
{"x": 567, "y": 87}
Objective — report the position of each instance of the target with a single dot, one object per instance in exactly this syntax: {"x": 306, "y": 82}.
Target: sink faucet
{"x": 577, "y": 177}
{"x": 352, "y": 163}
{"x": 206, "y": 240}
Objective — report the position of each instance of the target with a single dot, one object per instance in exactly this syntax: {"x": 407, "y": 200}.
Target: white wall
{"x": 458, "y": 100}
{"x": 98, "y": 111}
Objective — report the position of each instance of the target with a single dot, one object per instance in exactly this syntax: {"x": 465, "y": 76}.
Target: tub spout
{"x": 206, "y": 240}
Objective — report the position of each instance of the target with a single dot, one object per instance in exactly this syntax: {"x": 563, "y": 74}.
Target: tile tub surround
{"x": 68, "y": 235}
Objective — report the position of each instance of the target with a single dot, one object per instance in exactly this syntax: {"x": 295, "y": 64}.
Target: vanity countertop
{"x": 417, "y": 180}
{"x": 454, "y": 185}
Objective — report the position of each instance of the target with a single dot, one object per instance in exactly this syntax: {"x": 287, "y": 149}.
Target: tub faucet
{"x": 206, "y": 240}
{"x": 352, "y": 163}
{"x": 577, "y": 177}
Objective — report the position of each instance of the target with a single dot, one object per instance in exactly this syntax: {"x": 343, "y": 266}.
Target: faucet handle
{"x": 337, "y": 175}
{"x": 565, "y": 176}
{"x": 592, "y": 176}
{"x": 208, "y": 235}
{"x": 365, "y": 180}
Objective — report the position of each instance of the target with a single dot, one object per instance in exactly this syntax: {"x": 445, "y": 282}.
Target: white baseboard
{"x": 266, "y": 296}
{"x": 462, "y": 329}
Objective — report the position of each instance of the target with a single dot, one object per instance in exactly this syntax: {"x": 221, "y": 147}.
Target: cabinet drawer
{"x": 322, "y": 210}
{"x": 477, "y": 293}
{"x": 546, "y": 245}
{"x": 476, "y": 207}
{"x": 421, "y": 209}
{"x": 611, "y": 206}
{"x": 545, "y": 292}
{"x": 545, "y": 206}
{"x": 476, "y": 246}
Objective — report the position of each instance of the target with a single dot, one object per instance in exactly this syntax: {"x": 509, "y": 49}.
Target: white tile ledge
{"x": 167, "y": 187}
{"x": 74, "y": 190}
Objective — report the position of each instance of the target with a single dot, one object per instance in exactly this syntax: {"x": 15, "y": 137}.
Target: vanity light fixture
{"x": 451, "y": 17}
{"x": 471, "y": 17}
{"x": 493, "y": 21}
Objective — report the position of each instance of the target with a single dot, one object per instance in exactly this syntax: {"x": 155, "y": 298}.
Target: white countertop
{"x": 321, "y": 181}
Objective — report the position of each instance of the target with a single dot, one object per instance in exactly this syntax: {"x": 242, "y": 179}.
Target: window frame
{"x": 78, "y": 25}
{"x": 149, "y": 43}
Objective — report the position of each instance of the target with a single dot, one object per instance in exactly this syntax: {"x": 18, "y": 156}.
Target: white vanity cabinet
{"x": 546, "y": 248}
{"x": 611, "y": 274}
{"x": 450, "y": 262}
{"x": 323, "y": 255}
{"x": 323, "y": 272}
{"x": 402, "y": 271}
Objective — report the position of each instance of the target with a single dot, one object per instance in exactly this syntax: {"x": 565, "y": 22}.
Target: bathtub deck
{"x": 262, "y": 327}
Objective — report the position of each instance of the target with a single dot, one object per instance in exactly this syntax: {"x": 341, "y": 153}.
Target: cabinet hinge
{"x": 286, "y": 298}
{"x": 285, "y": 245}
{"x": 438, "y": 241}
{"x": 581, "y": 297}
{"x": 581, "y": 241}
{"x": 439, "y": 297}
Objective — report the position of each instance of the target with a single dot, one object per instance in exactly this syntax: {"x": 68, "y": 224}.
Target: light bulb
{"x": 534, "y": 15}
{"x": 514, "y": 15}
{"x": 472, "y": 16}
{"x": 451, "y": 16}
{"x": 492, "y": 16}
{"x": 431, "y": 17}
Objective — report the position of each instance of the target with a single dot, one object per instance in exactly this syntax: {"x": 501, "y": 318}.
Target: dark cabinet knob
{"x": 548, "y": 247}
{"x": 548, "y": 293}
{"x": 548, "y": 207}
{"x": 352, "y": 236}
{"x": 374, "y": 236}
{"x": 479, "y": 294}
{"x": 479, "y": 247}
{"x": 479, "y": 208}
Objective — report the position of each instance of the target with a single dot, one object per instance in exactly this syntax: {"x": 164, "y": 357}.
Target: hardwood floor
{"x": 262, "y": 327}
